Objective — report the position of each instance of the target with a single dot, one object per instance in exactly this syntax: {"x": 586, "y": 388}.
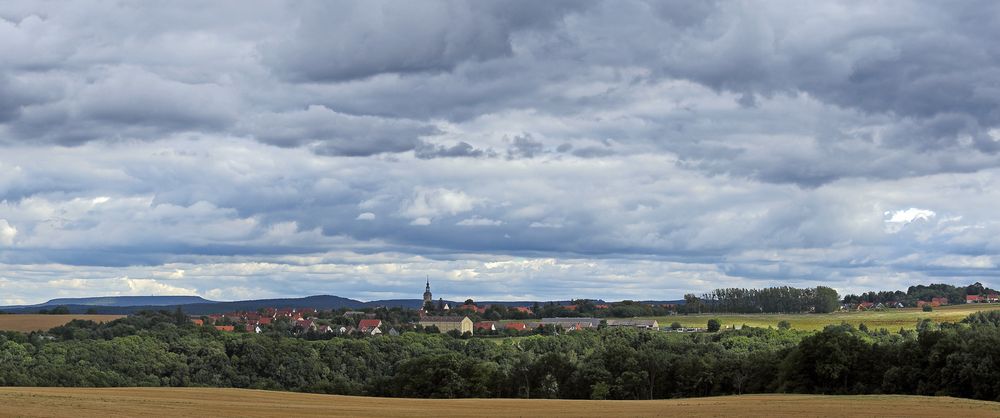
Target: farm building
{"x": 572, "y": 323}
{"x": 635, "y": 323}
{"x": 447, "y": 323}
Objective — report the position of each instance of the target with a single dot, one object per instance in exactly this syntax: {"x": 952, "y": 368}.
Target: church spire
{"x": 427, "y": 291}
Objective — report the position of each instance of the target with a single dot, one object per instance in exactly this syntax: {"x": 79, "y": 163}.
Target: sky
{"x": 506, "y": 150}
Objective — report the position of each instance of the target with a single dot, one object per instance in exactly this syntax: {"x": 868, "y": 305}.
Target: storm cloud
{"x": 625, "y": 149}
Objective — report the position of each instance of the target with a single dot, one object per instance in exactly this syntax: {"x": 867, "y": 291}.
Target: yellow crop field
{"x": 189, "y": 402}
{"x": 891, "y": 319}
{"x": 32, "y": 322}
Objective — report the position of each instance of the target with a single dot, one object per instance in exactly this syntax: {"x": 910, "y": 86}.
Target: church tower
{"x": 427, "y": 292}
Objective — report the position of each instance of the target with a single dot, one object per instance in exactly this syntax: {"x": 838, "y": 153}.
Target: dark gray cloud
{"x": 327, "y": 132}
{"x": 338, "y": 41}
{"x": 461, "y": 149}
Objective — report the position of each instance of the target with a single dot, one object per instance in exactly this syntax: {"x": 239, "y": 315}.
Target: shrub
{"x": 714, "y": 325}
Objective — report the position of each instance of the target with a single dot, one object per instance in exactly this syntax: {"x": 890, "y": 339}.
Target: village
{"x": 467, "y": 319}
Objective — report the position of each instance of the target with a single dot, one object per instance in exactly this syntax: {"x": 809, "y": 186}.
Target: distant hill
{"x": 127, "y": 301}
{"x": 200, "y": 307}
{"x": 195, "y": 305}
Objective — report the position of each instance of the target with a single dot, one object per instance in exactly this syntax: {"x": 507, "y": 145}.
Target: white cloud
{"x": 366, "y": 216}
{"x": 896, "y": 220}
{"x": 428, "y": 203}
{"x": 7, "y": 233}
{"x": 477, "y": 221}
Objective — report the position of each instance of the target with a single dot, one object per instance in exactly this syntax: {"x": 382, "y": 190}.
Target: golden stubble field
{"x": 192, "y": 402}
{"x": 31, "y": 322}
{"x": 891, "y": 319}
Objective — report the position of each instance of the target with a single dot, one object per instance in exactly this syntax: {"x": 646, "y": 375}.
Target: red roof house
{"x": 484, "y": 326}
{"x": 366, "y": 325}
{"x": 516, "y": 326}
{"x": 973, "y": 299}
{"x": 225, "y": 328}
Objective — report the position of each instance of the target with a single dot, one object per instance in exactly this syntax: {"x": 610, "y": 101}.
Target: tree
{"x": 783, "y": 324}
{"x": 827, "y": 300}
{"x": 714, "y": 325}
{"x": 470, "y": 302}
{"x": 928, "y": 307}
{"x": 675, "y": 325}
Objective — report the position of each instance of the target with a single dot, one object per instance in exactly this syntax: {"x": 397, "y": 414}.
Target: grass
{"x": 34, "y": 322}
{"x": 115, "y": 402}
{"x": 892, "y": 319}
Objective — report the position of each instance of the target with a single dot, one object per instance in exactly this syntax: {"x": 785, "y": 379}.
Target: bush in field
{"x": 714, "y": 325}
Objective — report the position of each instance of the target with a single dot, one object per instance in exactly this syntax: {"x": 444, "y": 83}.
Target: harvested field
{"x": 115, "y": 402}
{"x": 891, "y": 319}
{"x": 33, "y": 322}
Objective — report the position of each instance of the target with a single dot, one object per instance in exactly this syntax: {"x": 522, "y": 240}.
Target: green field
{"x": 891, "y": 319}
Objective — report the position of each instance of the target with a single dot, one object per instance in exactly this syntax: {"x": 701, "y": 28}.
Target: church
{"x": 428, "y": 304}
{"x": 443, "y": 323}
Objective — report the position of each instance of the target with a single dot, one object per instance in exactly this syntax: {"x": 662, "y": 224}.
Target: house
{"x": 484, "y": 326}
{"x": 973, "y": 299}
{"x": 570, "y": 307}
{"x": 940, "y": 301}
{"x": 393, "y": 333}
{"x": 572, "y": 323}
{"x": 447, "y": 323}
{"x": 602, "y": 307}
{"x": 992, "y": 298}
{"x": 325, "y": 329}
{"x": 516, "y": 326}
{"x": 306, "y": 325}
{"x": 864, "y": 306}
{"x": 635, "y": 323}
{"x": 932, "y": 303}
{"x": 264, "y": 321}
{"x": 367, "y": 326}
{"x": 472, "y": 308}
{"x": 255, "y": 329}
{"x": 198, "y": 322}
{"x": 522, "y": 309}
{"x": 349, "y": 314}
{"x": 225, "y": 328}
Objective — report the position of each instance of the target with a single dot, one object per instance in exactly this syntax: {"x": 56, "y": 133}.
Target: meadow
{"x": 114, "y": 402}
{"x": 891, "y": 319}
{"x": 34, "y": 322}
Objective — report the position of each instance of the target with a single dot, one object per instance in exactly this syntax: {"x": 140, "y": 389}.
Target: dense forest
{"x": 165, "y": 349}
{"x": 782, "y": 299}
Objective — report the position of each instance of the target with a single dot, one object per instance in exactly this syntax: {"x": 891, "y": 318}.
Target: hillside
{"x": 109, "y": 402}
{"x": 29, "y": 322}
{"x": 128, "y": 301}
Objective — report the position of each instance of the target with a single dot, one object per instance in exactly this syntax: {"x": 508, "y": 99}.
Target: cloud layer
{"x": 624, "y": 149}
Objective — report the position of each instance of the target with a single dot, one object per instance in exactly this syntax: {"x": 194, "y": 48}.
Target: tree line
{"x": 164, "y": 349}
{"x": 913, "y": 294}
{"x": 783, "y": 299}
